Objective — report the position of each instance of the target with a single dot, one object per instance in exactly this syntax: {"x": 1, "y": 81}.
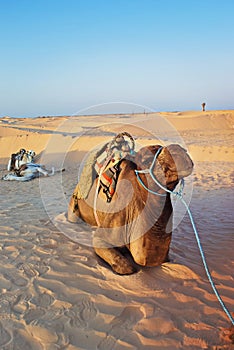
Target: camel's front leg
{"x": 149, "y": 250}
{"x": 116, "y": 260}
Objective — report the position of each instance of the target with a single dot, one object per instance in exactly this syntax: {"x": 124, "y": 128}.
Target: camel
{"x": 27, "y": 172}
{"x": 23, "y": 167}
{"x": 139, "y": 216}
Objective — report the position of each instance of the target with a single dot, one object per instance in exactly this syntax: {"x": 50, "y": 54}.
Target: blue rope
{"x": 179, "y": 194}
{"x": 205, "y": 263}
{"x": 146, "y": 188}
{"x": 149, "y": 171}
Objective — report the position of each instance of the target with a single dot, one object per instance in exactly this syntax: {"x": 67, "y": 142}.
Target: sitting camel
{"x": 139, "y": 216}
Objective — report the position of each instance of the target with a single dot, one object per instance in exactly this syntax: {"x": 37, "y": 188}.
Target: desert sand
{"x": 55, "y": 292}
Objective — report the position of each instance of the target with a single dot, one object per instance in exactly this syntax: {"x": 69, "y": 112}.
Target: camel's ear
{"x": 145, "y": 155}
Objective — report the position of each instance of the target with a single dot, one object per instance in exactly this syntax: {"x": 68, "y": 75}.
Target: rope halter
{"x": 150, "y": 172}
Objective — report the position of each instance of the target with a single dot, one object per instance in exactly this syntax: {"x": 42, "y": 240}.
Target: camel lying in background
{"x": 139, "y": 216}
{"x": 24, "y": 168}
{"x": 27, "y": 172}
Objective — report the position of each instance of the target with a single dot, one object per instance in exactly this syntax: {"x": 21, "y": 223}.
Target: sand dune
{"x": 56, "y": 294}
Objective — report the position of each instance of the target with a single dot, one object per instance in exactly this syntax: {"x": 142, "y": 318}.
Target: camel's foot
{"x": 116, "y": 260}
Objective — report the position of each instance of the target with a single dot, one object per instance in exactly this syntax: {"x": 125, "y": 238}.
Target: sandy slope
{"x": 56, "y": 294}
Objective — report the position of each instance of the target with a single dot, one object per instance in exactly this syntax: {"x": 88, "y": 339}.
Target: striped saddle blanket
{"x": 107, "y": 168}
{"x": 105, "y": 164}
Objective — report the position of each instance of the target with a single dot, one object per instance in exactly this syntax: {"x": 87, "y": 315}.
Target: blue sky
{"x": 60, "y": 56}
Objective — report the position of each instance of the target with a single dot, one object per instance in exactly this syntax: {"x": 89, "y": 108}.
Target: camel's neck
{"x": 158, "y": 213}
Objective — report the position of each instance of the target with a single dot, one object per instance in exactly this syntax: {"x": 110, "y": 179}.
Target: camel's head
{"x": 175, "y": 162}
{"x": 172, "y": 164}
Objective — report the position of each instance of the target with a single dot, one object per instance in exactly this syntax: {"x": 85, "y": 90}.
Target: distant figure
{"x": 203, "y": 107}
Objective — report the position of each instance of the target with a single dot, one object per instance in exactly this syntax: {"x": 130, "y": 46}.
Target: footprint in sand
{"x": 120, "y": 326}
{"x": 21, "y": 304}
{"x": 16, "y": 279}
{"x": 6, "y": 301}
{"x": 33, "y": 315}
{"x": 88, "y": 310}
{"x": 179, "y": 271}
{"x": 5, "y": 337}
{"x": 41, "y": 268}
{"x": 4, "y": 307}
{"x": 22, "y": 340}
{"x": 82, "y": 313}
{"x": 44, "y": 300}
{"x": 28, "y": 270}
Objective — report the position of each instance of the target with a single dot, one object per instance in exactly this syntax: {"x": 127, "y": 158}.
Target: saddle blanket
{"x": 108, "y": 170}
{"x": 104, "y": 163}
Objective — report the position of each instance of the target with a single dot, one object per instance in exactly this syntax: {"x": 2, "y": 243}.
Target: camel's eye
{"x": 166, "y": 168}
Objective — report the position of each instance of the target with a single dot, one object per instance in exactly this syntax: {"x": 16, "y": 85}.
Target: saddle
{"x": 105, "y": 165}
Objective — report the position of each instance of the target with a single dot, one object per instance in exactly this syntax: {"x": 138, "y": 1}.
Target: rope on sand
{"x": 204, "y": 261}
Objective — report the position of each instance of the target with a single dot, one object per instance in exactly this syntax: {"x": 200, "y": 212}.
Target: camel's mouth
{"x": 181, "y": 168}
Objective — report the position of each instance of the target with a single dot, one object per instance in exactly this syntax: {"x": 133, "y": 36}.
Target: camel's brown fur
{"x": 135, "y": 218}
